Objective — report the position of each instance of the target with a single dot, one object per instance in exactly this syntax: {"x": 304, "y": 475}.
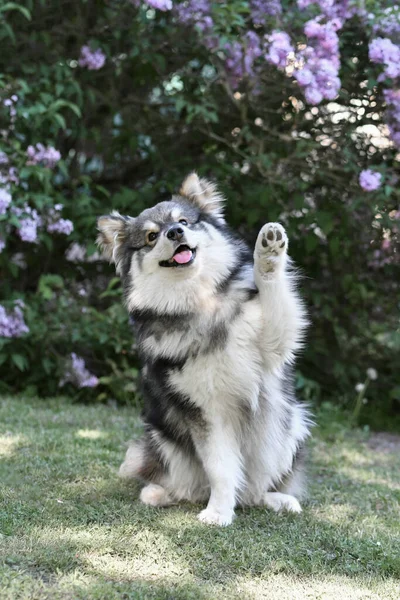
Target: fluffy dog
{"x": 217, "y": 333}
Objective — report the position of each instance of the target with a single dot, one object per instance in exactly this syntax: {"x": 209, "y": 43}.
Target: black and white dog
{"x": 217, "y": 333}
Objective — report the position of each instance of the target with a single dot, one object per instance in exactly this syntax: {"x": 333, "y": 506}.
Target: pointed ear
{"x": 113, "y": 229}
{"x": 205, "y": 195}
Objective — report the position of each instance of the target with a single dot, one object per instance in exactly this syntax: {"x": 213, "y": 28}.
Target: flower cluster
{"x": 279, "y": 47}
{"x": 261, "y": 9}
{"x": 160, "y": 4}
{"x": 29, "y": 222}
{"x": 386, "y": 51}
{"x": 11, "y": 175}
{"x": 320, "y": 62}
{"x": 78, "y": 374}
{"x": 335, "y": 9}
{"x": 195, "y": 12}
{"x": 392, "y": 99}
{"x": 47, "y": 156}
{"x": 383, "y": 51}
{"x": 93, "y": 60}
{"x": 56, "y": 224}
{"x": 78, "y": 253}
{"x": 10, "y": 104}
{"x": 240, "y": 57}
{"x": 5, "y": 200}
{"x": 389, "y": 23}
{"x": 12, "y": 324}
{"x": 63, "y": 226}
{"x": 370, "y": 180}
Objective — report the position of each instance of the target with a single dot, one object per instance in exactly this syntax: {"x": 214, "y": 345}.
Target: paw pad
{"x": 273, "y": 239}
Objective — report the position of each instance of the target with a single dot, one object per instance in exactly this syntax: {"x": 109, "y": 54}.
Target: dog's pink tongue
{"x": 183, "y": 257}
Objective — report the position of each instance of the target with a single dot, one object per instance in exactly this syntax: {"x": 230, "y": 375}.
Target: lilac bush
{"x": 294, "y": 105}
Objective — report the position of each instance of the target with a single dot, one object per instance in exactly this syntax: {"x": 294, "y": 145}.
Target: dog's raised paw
{"x": 270, "y": 250}
{"x": 213, "y": 517}
{"x": 272, "y": 239}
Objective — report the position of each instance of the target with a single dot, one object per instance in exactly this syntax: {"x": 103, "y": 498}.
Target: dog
{"x": 217, "y": 333}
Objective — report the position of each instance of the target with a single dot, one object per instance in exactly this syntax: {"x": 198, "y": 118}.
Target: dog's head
{"x": 170, "y": 254}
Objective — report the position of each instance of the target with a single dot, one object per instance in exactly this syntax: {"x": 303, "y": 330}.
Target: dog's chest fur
{"x": 209, "y": 359}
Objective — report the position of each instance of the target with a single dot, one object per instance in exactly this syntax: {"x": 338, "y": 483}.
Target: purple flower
{"x": 195, "y": 13}
{"x": 2, "y": 245}
{"x": 29, "y": 221}
{"x": 389, "y": 23}
{"x": 279, "y": 47}
{"x": 313, "y": 95}
{"x": 12, "y": 324}
{"x": 335, "y": 9}
{"x": 304, "y": 76}
{"x": 28, "y": 230}
{"x": 383, "y": 51}
{"x": 12, "y": 175}
{"x": 392, "y": 99}
{"x": 313, "y": 29}
{"x": 160, "y": 4}
{"x": 261, "y": 9}
{"x": 49, "y": 156}
{"x": 370, "y": 180}
{"x": 64, "y": 226}
{"x": 78, "y": 375}
{"x": 5, "y": 200}
{"x": 91, "y": 59}
{"x": 320, "y": 62}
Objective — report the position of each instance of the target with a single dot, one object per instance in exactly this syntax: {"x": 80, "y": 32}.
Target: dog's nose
{"x": 175, "y": 233}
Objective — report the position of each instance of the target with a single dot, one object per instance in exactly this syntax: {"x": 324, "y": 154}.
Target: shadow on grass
{"x": 101, "y": 527}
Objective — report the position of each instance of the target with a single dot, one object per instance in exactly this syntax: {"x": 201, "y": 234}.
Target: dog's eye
{"x": 183, "y": 221}
{"x": 151, "y": 236}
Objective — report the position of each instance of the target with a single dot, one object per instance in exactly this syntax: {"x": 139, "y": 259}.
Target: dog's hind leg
{"x": 278, "y": 502}
{"x": 283, "y": 312}
{"x": 142, "y": 461}
{"x": 155, "y": 495}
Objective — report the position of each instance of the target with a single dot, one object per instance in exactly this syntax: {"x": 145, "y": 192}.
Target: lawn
{"x": 71, "y": 529}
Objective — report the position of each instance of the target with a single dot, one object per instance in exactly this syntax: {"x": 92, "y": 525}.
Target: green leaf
{"x": 55, "y": 106}
{"x": 325, "y": 221}
{"x": 47, "y": 365}
{"x": 311, "y": 243}
{"x": 48, "y": 283}
{"x": 388, "y": 190}
{"x": 14, "y": 6}
{"x": 19, "y": 361}
{"x": 7, "y": 30}
{"x": 60, "y": 120}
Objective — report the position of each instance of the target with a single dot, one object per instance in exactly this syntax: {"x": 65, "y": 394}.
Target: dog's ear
{"x": 113, "y": 230}
{"x": 204, "y": 194}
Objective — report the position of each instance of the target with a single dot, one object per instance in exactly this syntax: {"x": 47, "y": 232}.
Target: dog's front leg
{"x": 283, "y": 312}
{"x": 219, "y": 452}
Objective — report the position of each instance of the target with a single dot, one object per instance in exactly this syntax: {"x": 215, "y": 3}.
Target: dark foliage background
{"x": 162, "y": 105}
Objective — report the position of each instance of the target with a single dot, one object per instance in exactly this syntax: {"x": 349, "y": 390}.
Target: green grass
{"x": 70, "y": 529}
